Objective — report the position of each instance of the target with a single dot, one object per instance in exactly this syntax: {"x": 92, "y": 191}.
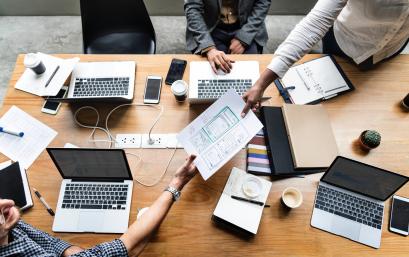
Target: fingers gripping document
{"x": 219, "y": 133}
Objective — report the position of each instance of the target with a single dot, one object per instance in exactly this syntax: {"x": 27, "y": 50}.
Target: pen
{"x": 11, "y": 132}
{"x": 308, "y": 88}
{"x": 247, "y": 200}
{"x": 52, "y": 76}
{"x": 50, "y": 211}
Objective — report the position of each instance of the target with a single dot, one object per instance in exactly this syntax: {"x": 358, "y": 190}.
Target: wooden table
{"x": 188, "y": 229}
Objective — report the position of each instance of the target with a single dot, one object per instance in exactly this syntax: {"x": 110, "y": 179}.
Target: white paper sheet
{"x": 219, "y": 133}
{"x": 36, "y": 137}
{"x": 242, "y": 214}
{"x": 35, "y": 84}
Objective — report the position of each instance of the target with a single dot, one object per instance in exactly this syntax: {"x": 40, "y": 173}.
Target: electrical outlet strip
{"x": 161, "y": 141}
{"x": 128, "y": 141}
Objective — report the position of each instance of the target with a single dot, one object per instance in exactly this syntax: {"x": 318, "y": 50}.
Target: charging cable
{"x": 111, "y": 139}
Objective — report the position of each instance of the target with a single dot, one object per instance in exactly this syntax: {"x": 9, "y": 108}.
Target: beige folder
{"x": 310, "y": 135}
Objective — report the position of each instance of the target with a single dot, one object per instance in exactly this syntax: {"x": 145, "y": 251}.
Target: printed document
{"x": 36, "y": 137}
{"x": 35, "y": 84}
{"x": 219, "y": 133}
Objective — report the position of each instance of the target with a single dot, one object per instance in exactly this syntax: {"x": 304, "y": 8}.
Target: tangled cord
{"x": 111, "y": 139}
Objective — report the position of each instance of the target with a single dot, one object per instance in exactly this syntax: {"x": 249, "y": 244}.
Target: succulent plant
{"x": 370, "y": 139}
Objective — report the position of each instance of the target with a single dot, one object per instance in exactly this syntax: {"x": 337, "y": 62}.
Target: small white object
{"x": 31, "y": 60}
{"x": 292, "y": 197}
{"x": 69, "y": 145}
{"x": 252, "y": 187}
{"x": 159, "y": 141}
{"x": 141, "y": 212}
{"x": 179, "y": 89}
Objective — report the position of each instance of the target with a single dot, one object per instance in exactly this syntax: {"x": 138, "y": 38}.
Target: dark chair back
{"x": 117, "y": 27}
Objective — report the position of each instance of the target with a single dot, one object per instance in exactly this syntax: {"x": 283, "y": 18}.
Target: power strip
{"x": 160, "y": 141}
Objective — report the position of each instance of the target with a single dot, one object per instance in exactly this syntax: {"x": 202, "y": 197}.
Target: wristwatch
{"x": 175, "y": 193}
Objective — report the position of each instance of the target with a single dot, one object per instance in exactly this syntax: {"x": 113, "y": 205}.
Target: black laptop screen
{"x": 80, "y": 163}
{"x": 364, "y": 179}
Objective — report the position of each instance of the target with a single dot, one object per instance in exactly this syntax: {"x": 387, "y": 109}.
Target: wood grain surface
{"x": 188, "y": 229}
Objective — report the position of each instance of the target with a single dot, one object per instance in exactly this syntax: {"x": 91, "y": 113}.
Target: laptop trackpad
{"x": 90, "y": 221}
{"x": 345, "y": 227}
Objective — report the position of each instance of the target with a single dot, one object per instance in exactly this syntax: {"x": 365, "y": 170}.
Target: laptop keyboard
{"x": 95, "y": 196}
{"x": 215, "y": 88}
{"x": 86, "y": 87}
{"x": 350, "y": 207}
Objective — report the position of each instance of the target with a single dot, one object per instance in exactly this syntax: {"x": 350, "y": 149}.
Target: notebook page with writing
{"x": 314, "y": 80}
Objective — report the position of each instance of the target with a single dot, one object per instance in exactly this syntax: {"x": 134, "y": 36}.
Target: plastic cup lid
{"x": 31, "y": 60}
{"x": 179, "y": 87}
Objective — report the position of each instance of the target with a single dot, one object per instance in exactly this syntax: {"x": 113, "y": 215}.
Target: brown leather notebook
{"x": 310, "y": 135}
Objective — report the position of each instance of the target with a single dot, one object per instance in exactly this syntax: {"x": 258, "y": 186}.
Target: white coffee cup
{"x": 33, "y": 62}
{"x": 179, "y": 90}
{"x": 291, "y": 197}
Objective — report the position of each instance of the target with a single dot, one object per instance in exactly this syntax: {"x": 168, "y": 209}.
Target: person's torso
{"x": 375, "y": 28}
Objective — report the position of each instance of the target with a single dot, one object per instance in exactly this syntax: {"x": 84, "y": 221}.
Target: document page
{"x": 219, "y": 133}
{"x": 36, "y": 137}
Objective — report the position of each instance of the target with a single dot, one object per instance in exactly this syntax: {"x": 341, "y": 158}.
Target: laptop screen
{"x": 97, "y": 164}
{"x": 362, "y": 178}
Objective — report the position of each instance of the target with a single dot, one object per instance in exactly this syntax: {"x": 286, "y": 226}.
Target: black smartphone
{"x": 176, "y": 70}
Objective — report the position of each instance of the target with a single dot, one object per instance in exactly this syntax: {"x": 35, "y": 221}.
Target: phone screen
{"x": 152, "y": 90}
{"x": 400, "y": 215}
{"x": 54, "y": 105}
{"x": 176, "y": 70}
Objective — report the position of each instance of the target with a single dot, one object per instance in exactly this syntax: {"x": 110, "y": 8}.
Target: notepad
{"x": 241, "y": 214}
{"x": 310, "y": 135}
{"x": 14, "y": 185}
{"x": 257, "y": 156}
{"x": 36, "y": 137}
{"x": 314, "y": 81}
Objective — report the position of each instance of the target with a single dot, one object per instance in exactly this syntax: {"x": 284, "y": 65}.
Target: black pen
{"x": 247, "y": 200}
{"x": 50, "y": 211}
{"x": 52, "y": 76}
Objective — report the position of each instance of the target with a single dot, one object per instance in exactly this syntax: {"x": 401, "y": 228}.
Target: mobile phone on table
{"x": 152, "y": 89}
{"x": 51, "y": 107}
{"x": 176, "y": 70}
{"x": 399, "y": 218}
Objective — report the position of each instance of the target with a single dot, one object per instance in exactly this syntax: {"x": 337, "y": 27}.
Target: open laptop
{"x": 96, "y": 190}
{"x": 101, "y": 81}
{"x": 206, "y": 86}
{"x": 350, "y": 200}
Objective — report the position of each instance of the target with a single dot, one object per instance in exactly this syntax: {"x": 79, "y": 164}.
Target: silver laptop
{"x": 96, "y": 190}
{"x": 206, "y": 86}
{"x": 101, "y": 81}
{"x": 350, "y": 200}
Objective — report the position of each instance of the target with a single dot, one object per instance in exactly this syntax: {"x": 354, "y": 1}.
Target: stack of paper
{"x": 36, "y": 137}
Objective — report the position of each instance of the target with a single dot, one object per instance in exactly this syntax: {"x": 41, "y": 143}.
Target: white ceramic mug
{"x": 291, "y": 197}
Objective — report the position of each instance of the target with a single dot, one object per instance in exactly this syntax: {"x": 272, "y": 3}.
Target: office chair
{"x": 116, "y": 27}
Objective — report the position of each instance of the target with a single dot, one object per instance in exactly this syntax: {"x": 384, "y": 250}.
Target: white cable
{"x": 111, "y": 139}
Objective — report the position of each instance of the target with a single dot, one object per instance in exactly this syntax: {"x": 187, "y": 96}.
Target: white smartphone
{"x": 152, "y": 89}
{"x": 399, "y": 219}
{"x": 51, "y": 107}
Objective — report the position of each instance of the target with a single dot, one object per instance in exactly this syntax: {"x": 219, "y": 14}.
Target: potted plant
{"x": 370, "y": 139}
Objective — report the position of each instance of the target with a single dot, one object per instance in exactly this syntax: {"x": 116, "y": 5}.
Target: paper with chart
{"x": 35, "y": 84}
{"x": 219, "y": 133}
{"x": 36, "y": 137}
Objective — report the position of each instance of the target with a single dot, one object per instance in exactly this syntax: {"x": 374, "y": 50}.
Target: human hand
{"x": 236, "y": 46}
{"x": 184, "y": 174}
{"x": 9, "y": 216}
{"x": 252, "y": 99}
{"x": 218, "y": 59}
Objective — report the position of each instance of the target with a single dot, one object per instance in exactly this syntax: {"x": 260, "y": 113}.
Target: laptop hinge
{"x": 97, "y": 180}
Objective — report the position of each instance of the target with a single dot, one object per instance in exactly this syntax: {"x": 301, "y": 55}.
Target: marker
{"x": 50, "y": 211}
{"x": 11, "y": 132}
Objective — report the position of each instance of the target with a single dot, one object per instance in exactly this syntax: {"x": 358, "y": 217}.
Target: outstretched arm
{"x": 135, "y": 238}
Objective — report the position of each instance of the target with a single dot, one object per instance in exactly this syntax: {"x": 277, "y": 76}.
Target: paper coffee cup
{"x": 291, "y": 197}
{"x": 32, "y": 61}
{"x": 179, "y": 90}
